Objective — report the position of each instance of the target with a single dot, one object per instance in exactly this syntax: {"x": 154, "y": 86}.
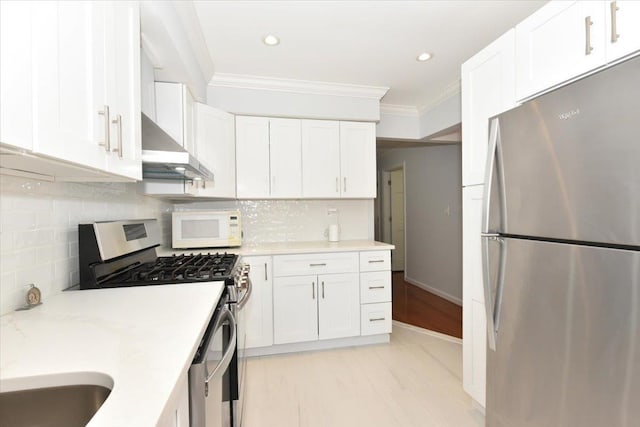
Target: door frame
{"x": 385, "y": 206}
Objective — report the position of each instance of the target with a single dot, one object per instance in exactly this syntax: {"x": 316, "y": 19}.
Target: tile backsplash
{"x": 39, "y": 230}
{"x": 296, "y": 220}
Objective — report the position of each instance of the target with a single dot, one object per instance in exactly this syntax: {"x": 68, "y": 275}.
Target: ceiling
{"x": 373, "y": 43}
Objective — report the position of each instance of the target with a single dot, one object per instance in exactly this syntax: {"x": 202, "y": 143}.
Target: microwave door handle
{"x": 223, "y": 364}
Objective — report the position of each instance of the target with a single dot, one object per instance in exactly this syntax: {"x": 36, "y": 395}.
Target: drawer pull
{"x": 371, "y": 261}
{"x": 322, "y": 264}
{"x": 377, "y": 319}
{"x": 376, "y": 287}
{"x": 313, "y": 290}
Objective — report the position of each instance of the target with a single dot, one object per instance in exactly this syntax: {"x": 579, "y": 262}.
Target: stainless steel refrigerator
{"x": 561, "y": 254}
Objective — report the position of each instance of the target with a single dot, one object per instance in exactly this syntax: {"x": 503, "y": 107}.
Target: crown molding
{"x": 399, "y": 110}
{"x": 241, "y": 81}
{"x": 450, "y": 90}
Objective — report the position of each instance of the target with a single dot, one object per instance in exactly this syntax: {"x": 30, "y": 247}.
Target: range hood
{"x": 165, "y": 158}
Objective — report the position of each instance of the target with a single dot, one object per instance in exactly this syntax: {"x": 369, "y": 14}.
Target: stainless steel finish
{"x": 107, "y": 129}
{"x": 614, "y": 22}
{"x": 376, "y": 287}
{"x": 247, "y": 294}
{"x": 161, "y": 154}
{"x": 583, "y": 142}
{"x": 118, "y": 122}
{"x": 65, "y": 406}
{"x": 571, "y": 332}
{"x": 321, "y": 264}
{"x": 112, "y": 240}
{"x": 377, "y": 319}
{"x": 223, "y": 364}
{"x": 313, "y": 290}
{"x": 587, "y": 36}
{"x": 372, "y": 261}
{"x": 323, "y": 289}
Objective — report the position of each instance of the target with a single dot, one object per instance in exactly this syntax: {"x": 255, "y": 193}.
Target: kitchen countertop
{"x": 138, "y": 341}
{"x": 282, "y": 248}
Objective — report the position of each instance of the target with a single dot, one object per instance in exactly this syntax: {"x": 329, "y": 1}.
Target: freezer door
{"x": 568, "y": 342}
{"x": 571, "y": 161}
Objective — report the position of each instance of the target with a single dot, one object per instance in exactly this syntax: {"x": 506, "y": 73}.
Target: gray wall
{"x": 433, "y": 199}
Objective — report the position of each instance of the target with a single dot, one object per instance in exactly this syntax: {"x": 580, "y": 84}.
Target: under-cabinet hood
{"x": 165, "y": 158}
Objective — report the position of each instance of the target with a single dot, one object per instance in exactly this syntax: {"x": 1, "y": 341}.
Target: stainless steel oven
{"x": 237, "y": 300}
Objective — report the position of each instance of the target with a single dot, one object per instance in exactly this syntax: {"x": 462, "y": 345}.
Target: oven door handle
{"x": 246, "y": 295}
{"x": 222, "y": 366}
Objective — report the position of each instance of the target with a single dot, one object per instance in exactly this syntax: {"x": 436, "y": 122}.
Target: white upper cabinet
{"x": 252, "y": 157}
{"x": 564, "y": 40}
{"x": 488, "y": 89}
{"x": 174, "y": 113}
{"x": 216, "y": 147}
{"x": 320, "y": 159}
{"x": 285, "y": 158}
{"x": 358, "y": 159}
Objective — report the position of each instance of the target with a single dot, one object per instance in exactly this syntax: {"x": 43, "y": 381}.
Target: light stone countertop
{"x": 282, "y": 248}
{"x": 139, "y": 341}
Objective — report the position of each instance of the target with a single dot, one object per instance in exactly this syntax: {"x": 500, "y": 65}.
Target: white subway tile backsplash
{"x": 39, "y": 230}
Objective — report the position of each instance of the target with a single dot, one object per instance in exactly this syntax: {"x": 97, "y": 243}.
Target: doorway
{"x": 393, "y": 215}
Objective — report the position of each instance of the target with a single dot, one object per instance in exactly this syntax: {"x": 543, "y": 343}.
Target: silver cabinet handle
{"x": 376, "y": 319}
{"x": 265, "y": 272}
{"x": 614, "y": 23}
{"x": 107, "y": 126}
{"x": 313, "y": 290}
{"x": 323, "y": 289}
{"x": 337, "y": 185}
{"x": 118, "y": 122}
{"x": 587, "y": 29}
{"x": 345, "y": 184}
{"x": 321, "y": 264}
{"x": 376, "y": 287}
{"x": 371, "y": 261}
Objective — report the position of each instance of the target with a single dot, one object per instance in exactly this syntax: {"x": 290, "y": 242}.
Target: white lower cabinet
{"x": 376, "y": 318}
{"x": 295, "y": 309}
{"x": 258, "y": 311}
{"x": 176, "y": 413}
{"x": 375, "y": 292}
{"x": 338, "y": 306}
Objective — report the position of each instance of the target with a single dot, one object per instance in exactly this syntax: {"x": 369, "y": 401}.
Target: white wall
{"x": 39, "y": 230}
{"x": 433, "y": 199}
{"x": 296, "y": 220}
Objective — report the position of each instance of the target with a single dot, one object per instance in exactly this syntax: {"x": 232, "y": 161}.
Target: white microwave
{"x": 206, "y": 229}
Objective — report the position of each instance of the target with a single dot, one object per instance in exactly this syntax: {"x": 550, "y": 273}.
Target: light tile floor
{"x": 416, "y": 380}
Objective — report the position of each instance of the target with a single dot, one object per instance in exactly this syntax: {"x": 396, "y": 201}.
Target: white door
{"x": 70, "y": 85}
{"x": 488, "y": 88}
{"x": 285, "y": 147}
{"x": 474, "y": 347}
{"x": 295, "y": 309}
{"x": 252, "y": 157}
{"x": 358, "y": 159}
{"x": 321, "y": 159}
{"x": 623, "y": 29}
{"x": 123, "y": 40}
{"x": 258, "y": 311}
{"x": 397, "y": 220}
{"x": 216, "y": 145}
{"x": 16, "y": 117}
{"x": 558, "y": 42}
{"x": 338, "y": 305}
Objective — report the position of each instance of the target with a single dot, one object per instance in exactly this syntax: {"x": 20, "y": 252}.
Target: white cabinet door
{"x": 125, "y": 158}
{"x": 488, "y": 88}
{"x": 16, "y": 118}
{"x": 258, "y": 310}
{"x": 216, "y": 145}
{"x": 252, "y": 157}
{"x": 622, "y": 28}
{"x": 285, "y": 147}
{"x": 358, "y": 159}
{"x": 560, "y": 41}
{"x": 295, "y": 309}
{"x": 338, "y": 306}
{"x": 320, "y": 159}
{"x": 474, "y": 345}
{"x": 70, "y": 86}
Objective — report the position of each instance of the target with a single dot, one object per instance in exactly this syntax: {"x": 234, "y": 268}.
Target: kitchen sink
{"x": 68, "y": 406}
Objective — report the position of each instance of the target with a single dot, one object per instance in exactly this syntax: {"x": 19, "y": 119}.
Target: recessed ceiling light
{"x": 271, "y": 40}
{"x": 180, "y": 169}
{"x": 424, "y": 56}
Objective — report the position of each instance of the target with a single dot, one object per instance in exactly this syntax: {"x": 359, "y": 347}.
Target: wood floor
{"x": 414, "y": 381}
{"x": 418, "y": 307}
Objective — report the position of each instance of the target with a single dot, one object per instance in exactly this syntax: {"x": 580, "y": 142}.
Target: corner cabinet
{"x": 79, "y": 64}
{"x": 564, "y": 40}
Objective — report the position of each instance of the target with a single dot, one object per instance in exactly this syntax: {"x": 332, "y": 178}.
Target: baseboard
{"x": 318, "y": 345}
{"x": 429, "y": 332}
{"x": 435, "y": 291}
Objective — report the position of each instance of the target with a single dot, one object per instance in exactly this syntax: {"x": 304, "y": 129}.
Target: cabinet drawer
{"x": 375, "y": 260}
{"x": 375, "y": 286}
{"x": 328, "y": 263}
{"x": 375, "y": 318}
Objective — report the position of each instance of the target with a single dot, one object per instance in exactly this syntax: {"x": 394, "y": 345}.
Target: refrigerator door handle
{"x": 488, "y": 173}
{"x": 493, "y": 303}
